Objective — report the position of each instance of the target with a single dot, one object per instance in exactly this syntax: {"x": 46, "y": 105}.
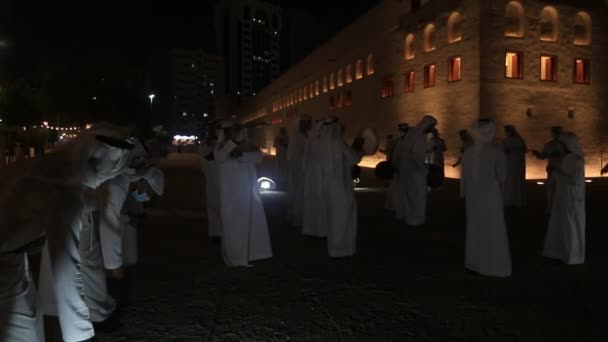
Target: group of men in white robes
{"x": 321, "y": 166}
{"x": 233, "y": 197}
{"x": 50, "y": 199}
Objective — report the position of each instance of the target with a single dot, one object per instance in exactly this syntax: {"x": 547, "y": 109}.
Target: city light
{"x": 266, "y": 184}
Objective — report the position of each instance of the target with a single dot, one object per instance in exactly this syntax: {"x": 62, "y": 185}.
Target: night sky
{"x": 40, "y": 29}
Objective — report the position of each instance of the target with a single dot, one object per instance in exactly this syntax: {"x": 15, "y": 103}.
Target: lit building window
{"x": 299, "y": 95}
{"x": 410, "y": 79}
{"x": 514, "y": 19}
{"x": 332, "y": 103}
{"x": 548, "y": 68}
{"x": 332, "y": 81}
{"x": 514, "y": 64}
{"x": 359, "y": 71}
{"x": 409, "y": 47}
{"x": 340, "y": 103}
{"x": 340, "y": 78}
{"x": 349, "y": 99}
{"x": 582, "y": 29}
{"x": 370, "y": 64}
{"x": 454, "y": 27}
{"x": 549, "y": 23}
{"x": 387, "y": 88}
{"x": 312, "y": 90}
{"x": 429, "y": 75}
{"x": 304, "y": 93}
{"x": 429, "y": 38}
{"x": 317, "y": 87}
{"x": 454, "y": 69}
{"x": 581, "y": 71}
{"x": 349, "y": 73}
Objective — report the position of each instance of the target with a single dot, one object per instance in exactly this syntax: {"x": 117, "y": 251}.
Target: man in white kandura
{"x": 296, "y": 152}
{"x": 212, "y": 184}
{"x": 565, "y": 239}
{"x": 553, "y": 152}
{"x": 315, "y": 220}
{"x": 41, "y": 197}
{"x": 410, "y": 159}
{"x": 514, "y": 146}
{"x": 281, "y": 146}
{"x": 245, "y": 235}
{"x": 338, "y": 189}
{"x": 483, "y": 172}
{"x": 394, "y": 197}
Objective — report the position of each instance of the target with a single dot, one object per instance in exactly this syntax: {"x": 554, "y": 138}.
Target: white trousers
{"x": 101, "y": 304}
{"x": 61, "y": 286}
{"x": 20, "y": 318}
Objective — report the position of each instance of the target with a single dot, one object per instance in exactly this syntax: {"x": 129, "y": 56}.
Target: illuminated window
{"x": 332, "y": 81}
{"x": 332, "y": 103}
{"x": 291, "y": 99}
{"x": 312, "y": 90}
{"x": 349, "y": 99}
{"x": 299, "y": 95}
{"x": 304, "y": 93}
{"x": 455, "y": 27}
{"x": 359, "y": 71}
{"x": 429, "y": 38}
{"x": 514, "y": 19}
{"x": 317, "y": 87}
{"x": 454, "y": 69}
{"x": 582, "y": 29}
{"x": 370, "y": 64}
{"x": 548, "y": 68}
{"x": 409, "y": 47}
{"x": 387, "y": 88}
{"x": 340, "y": 103}
{"x": 581, "y": 71}
{"x": 410, "y": 78}
{"x": 349, "y": 73}
{"x": 429, "y": 75}
{"x": 340, "y": 78}
{"x": 514, "y": 64}
{"x": 549, "y": 21}
{"x": 325, "y": 84}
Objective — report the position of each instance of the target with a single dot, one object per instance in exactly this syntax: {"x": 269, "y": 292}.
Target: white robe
{"x": 315, "y": 219}
{"x": 413, "y": 171}
{"x": 565, "y": 239}
{"x": 339, "y": 195}
{"x": 514, "y": 190}
{"x": 551, "y": 148}
{"x": 487, "y": 244}
{"x": 396, "y": 189}
{"x": 112, "y": 196}
{"x": 245, "y": 235}
{"x": 20, "y": 318}
{"x": 212, "y": 192}
{"x": 295, "y": 181}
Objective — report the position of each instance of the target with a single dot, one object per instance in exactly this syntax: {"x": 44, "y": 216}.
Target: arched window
{"x": 340, "y": 103}
{"x": 370, "y": 64}
{"x": 325, "y": 84}
{"x": 332, "y": 103}
{"x": 582, "y": 29}
{"x": 409, "y": 47}
{"x": 304, "y": 93}
{"x": 317, "y": 87}
{"x": 340, "y": 78}
{"x": 349, "y": 73}
{"x": 312, "y": 90}
{"x": 349, "y": 99}
{"x": 514, "y": 19}
{"x": 387, "y": 88}
{"x": 359, "y": 71}
{"x": 429, "y": 38}
{"x": 299, "y": 95}
{"x": 549, "y": 24}
{"x": 332, "y": 81}
{"x": 454, "y": 27}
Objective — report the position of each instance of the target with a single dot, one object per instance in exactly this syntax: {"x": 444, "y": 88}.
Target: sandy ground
{"x": 403, "y": 285}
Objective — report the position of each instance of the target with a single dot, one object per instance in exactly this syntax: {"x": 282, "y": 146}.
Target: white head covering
{"x": 571, "y": 142}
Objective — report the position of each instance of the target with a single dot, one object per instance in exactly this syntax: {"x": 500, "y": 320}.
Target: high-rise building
{"x": 248, "y": 38}
{"x": 193, "y": 79}
{"x": 302, "y": 33}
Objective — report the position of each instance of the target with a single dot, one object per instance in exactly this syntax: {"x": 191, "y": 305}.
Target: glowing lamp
{"x": 588, "y": 181}
{"x": 266, "y": 184}
{"x": 540, "y": 183}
